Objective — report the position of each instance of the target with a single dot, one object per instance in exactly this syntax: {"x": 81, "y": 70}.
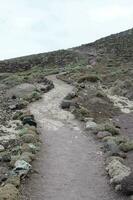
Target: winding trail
{"x": 69, "y": 165}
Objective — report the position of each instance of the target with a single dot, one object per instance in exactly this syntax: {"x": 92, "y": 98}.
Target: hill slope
{"x": 116, "y": 49}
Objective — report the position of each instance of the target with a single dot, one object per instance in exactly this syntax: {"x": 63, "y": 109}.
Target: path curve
{"x": 69, "y": 165}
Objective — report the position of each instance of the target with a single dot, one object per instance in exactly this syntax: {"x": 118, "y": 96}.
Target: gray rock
{"x": 2, "y": 148}
{"x": 21, "y": 168}
{"x": 112, "y": 148}
{"x": 66, "y": 104}
{"x": 117, "y": 171}
{"x": 3, "y": 174}
{"x": 90, "y": 126}
{"x": 29, "y": 138}
{"x": 127, "y": 185}
{"x": 6, "y": 157}
{"x": 103, "y": 134}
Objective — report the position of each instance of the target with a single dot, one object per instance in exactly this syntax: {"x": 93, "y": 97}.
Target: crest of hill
{"x": 114, "y": 50}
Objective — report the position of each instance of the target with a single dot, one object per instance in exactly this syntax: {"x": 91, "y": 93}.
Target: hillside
{"x": 116, "y": 49}
{"x": 109, "y": 57}
{"x": 100, "y": 92}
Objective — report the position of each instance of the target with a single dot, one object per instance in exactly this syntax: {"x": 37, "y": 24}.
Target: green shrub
{"x": 90, "y": 78}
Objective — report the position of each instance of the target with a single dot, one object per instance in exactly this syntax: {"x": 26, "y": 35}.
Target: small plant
{"x": 34, "y": 96}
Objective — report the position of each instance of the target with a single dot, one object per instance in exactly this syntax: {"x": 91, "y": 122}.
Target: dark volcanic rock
{"x": 127, "y": 185}
{"x": 29, "y": 120}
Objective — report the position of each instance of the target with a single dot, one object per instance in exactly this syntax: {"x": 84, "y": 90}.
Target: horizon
{"x": 39, "y": 27}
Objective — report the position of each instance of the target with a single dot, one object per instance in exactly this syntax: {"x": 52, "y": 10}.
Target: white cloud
{"x": 28, "y": 27}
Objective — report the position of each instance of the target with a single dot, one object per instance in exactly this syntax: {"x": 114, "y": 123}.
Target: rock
{"x": 127, "y": 146}
{"x": 27, "y": 156}
{"x": 18, "y": 106}
{"x": 127, "y": 185}
{"x": 131, "y": 197}
{"x": 112, "y": 148}
{"x": 29, "y": 120}
{"x": 9, "y": 192}
{"x": 29, "y": 148}
{"x": 17, "y": 115}
{"x": 29, "y": 138}
{"x": 6, "y": 157}
{"x": 117, "y": 139}
{"x": 71, "y": 95}
{"x": 14, "y": 180}
{"x": 21, "y": 90}
{"x": 3, "y": 174}
{"x": 13, "y": 160}
{"x": 112, "y": 129}
{"x": 12, "y": 107}
{"x": 90, "y": 126}
{"x": 117, "y": 171}
{"x": 111, "y": 158}
{"x": 66, "y": 104}
{"x": 2, "y": 148}
{"x": 103, "y": 134}
{"x": 118, "y": 187}
{"x": 21, "y": 168}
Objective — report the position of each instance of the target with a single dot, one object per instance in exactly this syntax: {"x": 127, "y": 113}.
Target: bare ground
{"x": 70, "y": 164}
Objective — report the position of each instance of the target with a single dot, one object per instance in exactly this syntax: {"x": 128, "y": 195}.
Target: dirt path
{"x": 69, "y": 165}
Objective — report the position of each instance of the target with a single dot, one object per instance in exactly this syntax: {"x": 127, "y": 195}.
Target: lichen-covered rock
{"x": 9, "y": 192}
{"x": 117, "y": 171}
{"x": 126, "y": 146}
{"x": 112, "y": 129}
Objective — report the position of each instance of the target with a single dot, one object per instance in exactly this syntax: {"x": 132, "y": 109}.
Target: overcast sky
{"x": 34, "y": 26}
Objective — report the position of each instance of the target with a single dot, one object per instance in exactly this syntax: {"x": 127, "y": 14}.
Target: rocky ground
{"x": 19, "y": 137}
{"x": 108, "y": 117}
{"x": 102, "y": 76}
